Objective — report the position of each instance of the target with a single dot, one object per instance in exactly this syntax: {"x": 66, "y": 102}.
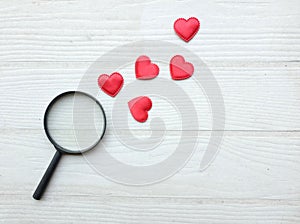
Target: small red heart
{"x": 186, "y": 29}
{"x": 180, "y": 69}
{"x": 112, "y": 84}
{"x": 144, "y": 69}
{"x": 139, "y": 108}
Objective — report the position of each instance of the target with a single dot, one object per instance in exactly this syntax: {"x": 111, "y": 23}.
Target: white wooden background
{"x": 252, "y": 48}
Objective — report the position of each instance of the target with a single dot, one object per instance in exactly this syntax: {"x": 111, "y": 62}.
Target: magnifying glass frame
{"x": 59, "y": 149}
{"x": 56, "y": 145}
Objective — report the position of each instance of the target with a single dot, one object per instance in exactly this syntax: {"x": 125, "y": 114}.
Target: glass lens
{"x": 75, "y": 122}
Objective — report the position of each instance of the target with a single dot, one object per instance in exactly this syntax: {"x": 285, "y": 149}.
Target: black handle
{"x": 47, "y": 176}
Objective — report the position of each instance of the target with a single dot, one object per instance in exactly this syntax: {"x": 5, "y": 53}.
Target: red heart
{"x": 139, "y": 108}
{"x": 186, "y": 29}
{"x": 180, "y": 69}
{"x": 112, "y": 84}
{"x": 144, "y": 69}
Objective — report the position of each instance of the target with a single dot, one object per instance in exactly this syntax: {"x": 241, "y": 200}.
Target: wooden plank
{"x": 247, "y": 166}
{"x": 54, "y": 31}
{"x": 107, "y": 209}
{"x": 260, "y": 96}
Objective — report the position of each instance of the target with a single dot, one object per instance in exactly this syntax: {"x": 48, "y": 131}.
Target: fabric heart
{"x": 139, "y": 108}
{"x": 112, "y": 84}
{"x": 144, "y": 69}
{"x": 180, "y": 69}
{"x": 186, "y": 29}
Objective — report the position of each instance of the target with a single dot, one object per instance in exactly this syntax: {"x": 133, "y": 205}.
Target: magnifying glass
{"x": 74, "y": 123}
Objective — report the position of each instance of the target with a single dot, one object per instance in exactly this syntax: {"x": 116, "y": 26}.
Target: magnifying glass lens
{"x": 75, "y": 122}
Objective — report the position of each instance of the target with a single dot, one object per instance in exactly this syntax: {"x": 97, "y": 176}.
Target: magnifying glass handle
{"x": 47, "y": 176}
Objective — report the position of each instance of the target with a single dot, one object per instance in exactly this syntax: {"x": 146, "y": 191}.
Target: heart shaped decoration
{"x": 112, "y": 84}
{"x": 180, "y": 69}
{"x": 186, "y": 29}
{"x": 139, "y": 108}
{"x": 144, "y": 69}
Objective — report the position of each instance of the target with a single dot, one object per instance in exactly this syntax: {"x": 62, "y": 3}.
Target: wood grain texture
{"x": 108, "y": 209}
{"x": 251, "y": 47}
{"x": 257, "y": 96}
